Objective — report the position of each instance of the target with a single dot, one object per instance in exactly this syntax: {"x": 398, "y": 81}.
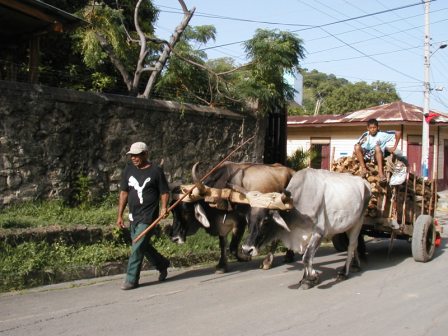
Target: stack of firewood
{"x": 350, "y": 164}
{"x": 415, "y": 185}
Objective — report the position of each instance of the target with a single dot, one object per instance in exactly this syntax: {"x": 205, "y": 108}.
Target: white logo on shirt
{"x": 134, "y": 183}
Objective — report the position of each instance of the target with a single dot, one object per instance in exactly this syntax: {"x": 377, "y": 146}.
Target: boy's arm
{"x": 397, "y": 140}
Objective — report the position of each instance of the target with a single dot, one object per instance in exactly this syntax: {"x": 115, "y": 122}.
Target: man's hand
{"x": 121, "y": 205}
{"x": 163, "y": 213}
{"x": 120, "y": 223}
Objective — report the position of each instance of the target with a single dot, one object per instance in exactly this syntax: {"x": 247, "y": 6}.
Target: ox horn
{"x": 286, "y": 196}
{"x": 194, "y": 172}
{"x": 196, "y": 180}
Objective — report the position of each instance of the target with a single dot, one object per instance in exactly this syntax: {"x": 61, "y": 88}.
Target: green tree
{"x": 358, "y": 96}
{"x": 112, "y": 37}
{"x": 301, "y": 158}
{"x": 316, "y": 87}
{"x": 185, "y": 70}
{"x": 272, "y": 54}
{"x": 329, "y": 94}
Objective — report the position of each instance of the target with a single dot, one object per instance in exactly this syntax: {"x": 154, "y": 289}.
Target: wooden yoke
{"x": 255, "y": 199}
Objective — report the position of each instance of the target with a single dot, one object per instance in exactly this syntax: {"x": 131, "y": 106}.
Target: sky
{"x": 366, "y": 40}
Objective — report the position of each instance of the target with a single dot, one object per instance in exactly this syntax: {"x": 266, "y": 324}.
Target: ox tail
{"x": 367, "y": 194}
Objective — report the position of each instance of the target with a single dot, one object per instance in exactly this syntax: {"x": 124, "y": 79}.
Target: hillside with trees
{"x": 328, "y": 94}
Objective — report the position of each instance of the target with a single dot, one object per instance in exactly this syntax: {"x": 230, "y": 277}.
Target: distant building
{"x": 334, "y": 136}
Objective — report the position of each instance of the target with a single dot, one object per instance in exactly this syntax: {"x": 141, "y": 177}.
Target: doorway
{"x": 320, "y": 146}
{"x": 415, "y": 155}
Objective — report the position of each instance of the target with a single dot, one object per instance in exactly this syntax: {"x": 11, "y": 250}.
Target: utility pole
{"x": 425, "y": 128}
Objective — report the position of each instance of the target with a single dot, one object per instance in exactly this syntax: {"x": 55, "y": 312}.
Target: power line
{"x": 378, "y": 19}
{"x": 327, "y": 24}
{"x": 357, "y": 57}
{"x": 370, "y": 57}
{"x": 214, "y": 16}
{"x": 373, "y": 38}
{"x": 364, "y": 56}
{"x": 363, "y": 16}
{"x": 367, "y": 32}
{"x": 401, "y": 18}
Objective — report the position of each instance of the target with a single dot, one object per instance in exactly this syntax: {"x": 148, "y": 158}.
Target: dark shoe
{"x": 163, "y": 273}
{"x": 128, "y": 285}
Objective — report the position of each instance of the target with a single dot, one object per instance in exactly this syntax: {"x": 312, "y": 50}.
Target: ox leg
{"x": 310, "y": 276}
{"x": 269, "y": 259}
{"x": 237, "y": 236}
{"x": 289, "y": 256}
{"x": 267, "y": 262}
{"x": 352, "y": 254}
{"x": 222, "y": 264}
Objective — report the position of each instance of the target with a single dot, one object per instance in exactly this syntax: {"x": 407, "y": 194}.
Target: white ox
{"x": 325, "y": 203}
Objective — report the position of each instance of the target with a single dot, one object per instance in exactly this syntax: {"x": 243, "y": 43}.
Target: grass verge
{"x": 38, "y": 260}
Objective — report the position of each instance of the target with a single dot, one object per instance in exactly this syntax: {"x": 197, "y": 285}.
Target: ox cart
{"x": 404, "y": 211}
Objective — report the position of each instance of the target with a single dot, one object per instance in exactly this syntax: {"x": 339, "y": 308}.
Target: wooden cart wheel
{"x": 423, "y": 238}
{"x": 340, "y": 242}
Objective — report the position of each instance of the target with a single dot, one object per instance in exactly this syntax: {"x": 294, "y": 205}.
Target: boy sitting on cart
{"x": 372, "y": 146}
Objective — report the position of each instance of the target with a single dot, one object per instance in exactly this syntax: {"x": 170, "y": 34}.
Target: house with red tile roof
{"x": 333, "y": 136}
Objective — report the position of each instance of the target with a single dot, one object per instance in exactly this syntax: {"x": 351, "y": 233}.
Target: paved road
{"x": 391, "y": 296}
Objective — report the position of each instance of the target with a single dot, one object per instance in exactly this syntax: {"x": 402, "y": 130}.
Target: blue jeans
{"x": 140, "y": 249}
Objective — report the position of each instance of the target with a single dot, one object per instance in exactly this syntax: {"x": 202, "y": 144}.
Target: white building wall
{"x": 343, "y": 139}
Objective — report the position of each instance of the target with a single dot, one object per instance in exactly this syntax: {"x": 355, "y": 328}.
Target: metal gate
{"x": 275, "y": 139}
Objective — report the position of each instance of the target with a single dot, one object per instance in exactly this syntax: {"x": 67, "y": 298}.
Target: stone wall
{"x": 50, "y": 137}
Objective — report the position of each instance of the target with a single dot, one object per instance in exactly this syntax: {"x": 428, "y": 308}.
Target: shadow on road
{"x": 328, "y": 262}
{"x": 377, "y": 257}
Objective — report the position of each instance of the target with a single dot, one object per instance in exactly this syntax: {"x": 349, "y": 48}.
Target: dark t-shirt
{"x": 144, "y": 187}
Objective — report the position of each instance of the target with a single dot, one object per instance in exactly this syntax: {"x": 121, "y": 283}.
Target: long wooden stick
{"x": 153, "y": 224}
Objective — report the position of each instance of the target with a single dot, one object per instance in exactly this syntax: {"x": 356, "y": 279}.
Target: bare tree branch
{"x": 196, "y": 96}
{"x": 204, "y": 67}
{"x": 115, "y": 60}
{"x": 167, "y": 49}
{"x": 235, "y": 69}
{"x": 129, "y": 37}
{"x": 143, "y": 49}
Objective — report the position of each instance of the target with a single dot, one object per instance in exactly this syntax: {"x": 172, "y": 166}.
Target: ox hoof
{"x": 341, "y": 276}
{"x": 289, "y": 256}
{"x": 306, "y": 284}
{"x": 309, "y": 283}
{"x": 221, "y": 269}
{"x": 267, "y": 262}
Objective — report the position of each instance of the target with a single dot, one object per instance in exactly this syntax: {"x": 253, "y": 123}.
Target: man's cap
{"x": 137, "y": 148}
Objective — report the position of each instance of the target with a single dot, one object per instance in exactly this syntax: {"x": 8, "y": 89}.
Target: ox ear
{"x": 200, "y": 215}
{"x": 279, "y": 220}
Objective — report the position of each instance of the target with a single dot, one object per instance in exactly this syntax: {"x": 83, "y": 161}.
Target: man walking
{"x": 142, "y": 186}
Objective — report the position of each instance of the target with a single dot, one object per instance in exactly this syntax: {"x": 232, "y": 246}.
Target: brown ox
{"x": 189, "y": 217}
